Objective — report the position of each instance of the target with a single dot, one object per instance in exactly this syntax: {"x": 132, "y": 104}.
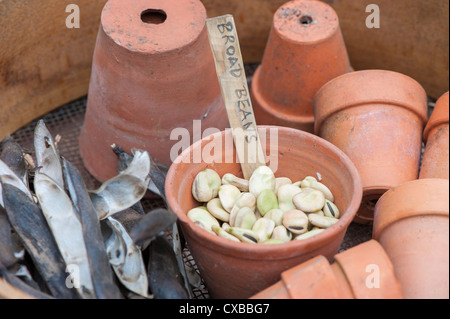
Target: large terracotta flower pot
{"x": 411, "y": 223}
{"x": 376, "y": 117}
{"x": 435, "y": 162}
{"x": 153, "y": 71}
{"x": 304, "y": 51}
{"x": 362, "y": 272}
{"x": 239, "y": 270}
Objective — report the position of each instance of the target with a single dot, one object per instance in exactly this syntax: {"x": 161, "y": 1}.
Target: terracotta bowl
{"x": 239, "y": 270}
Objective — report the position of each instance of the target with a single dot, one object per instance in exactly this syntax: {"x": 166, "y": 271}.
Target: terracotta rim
{"x": 257, "y": 251}
{"x": 313, "y": 8}
{"x": 382, "y": 80}
{"x": 397, "y": 203}
{"x": 439, "y": 116}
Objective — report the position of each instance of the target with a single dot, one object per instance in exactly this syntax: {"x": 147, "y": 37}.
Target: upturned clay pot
{"x": 376, "y": 117}
{"x": 153, "y": 71}
{"x": 304, "y": 51}
{"x": 239, "y": 270}
{"x": 362, "y": 272}
{"x": 435, "y": 162}
{"x": 411, "y": 223}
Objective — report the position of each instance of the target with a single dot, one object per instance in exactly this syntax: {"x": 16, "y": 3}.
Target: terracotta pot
{"x": 411, "y": 223}
{"x": 362, "y": 272}
{"x": 435, "y": 162}
{"x": 304, "y": 51}
{"x": 152, "y": 72}
{"x": 239, "y": 270}
{"x": 376, "y": 117}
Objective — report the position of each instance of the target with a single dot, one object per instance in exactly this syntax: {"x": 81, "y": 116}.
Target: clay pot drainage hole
{"x": 306, "y": 20}
{"x": 153, "y": 16}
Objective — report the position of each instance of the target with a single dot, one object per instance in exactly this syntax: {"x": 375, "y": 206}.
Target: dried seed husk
{"x": 158, "y": 172}
{"x": 30, "y": 224}
{"x": 244, "y": 235}
{"x": 295, "y": 221}
{"x": 322, "y": 221}
{"x": 279, "y": 181}
{"x": 266, "y": 201}
{"x": 126, "y": 259}
{"x": 309, "y": 234}
{"x": 177, "y": 247}
{"x": 7, "y": 253}
{"x": 9, "y": 177}
{"x": 151, "y": 225}
{"x": 47, "y": 155}
{"x": 281, "y": 233}
{"x": 276, "y": 215}
{"x": 202, "y": 217}
{"x": 66, "y": 228}
{"x": 164, "y": 277}
{"x": 216, "y": 209}
{"x": 228, "y": 195}
{"x": 14, "y": 157}
{"x": 223, "y": 233}
{"x": 263, "y": 227}
{"x": 330, "y": 209}
{"x": 102, "y": 276}
{"x": 309, "y": 200}
{"x": 261, "y": 179}
{"x": 244, "y": 200}
{"x": 285, "y": 195}
{"x": 206, "y": 185}
{"x": 245, "y": 218}
{"x": 123, "y": 190}
{"x": 230, "y": 179}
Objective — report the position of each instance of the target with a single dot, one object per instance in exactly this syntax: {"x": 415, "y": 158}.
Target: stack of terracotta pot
{"x": 377, "y": 117}
{"x": 145, "y": 84}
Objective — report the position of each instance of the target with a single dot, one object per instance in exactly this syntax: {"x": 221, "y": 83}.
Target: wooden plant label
{"x": 233, "y": 83}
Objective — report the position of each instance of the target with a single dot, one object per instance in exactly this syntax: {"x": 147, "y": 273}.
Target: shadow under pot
{"x": 376, "y": 117}
{"x": 411, "y": 223}
{"x": 435, "y": 162}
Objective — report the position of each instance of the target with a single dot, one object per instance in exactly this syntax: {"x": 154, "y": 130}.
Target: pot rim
{"x": 260, "y": 251}
{"x": 387, "y": 210}
{"x": 439, "y": 116}
{"x": 400, "y": 97}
